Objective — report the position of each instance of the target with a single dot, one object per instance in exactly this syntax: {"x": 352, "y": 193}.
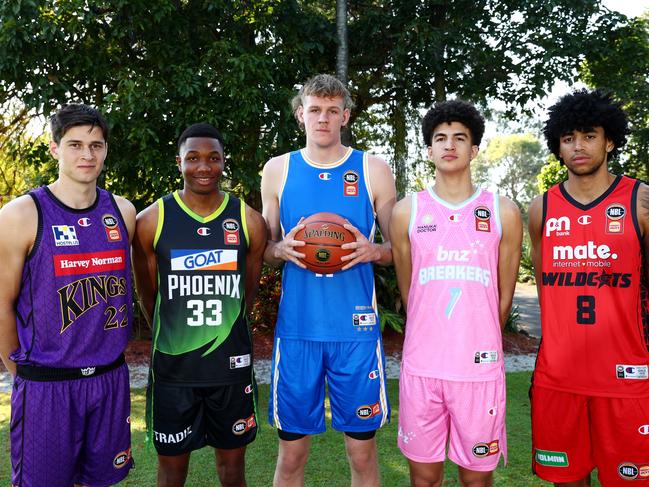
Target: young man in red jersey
{"x": 590, "y": 390}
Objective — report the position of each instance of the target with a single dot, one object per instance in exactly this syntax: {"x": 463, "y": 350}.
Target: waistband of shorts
{"x": 49, "y": 374}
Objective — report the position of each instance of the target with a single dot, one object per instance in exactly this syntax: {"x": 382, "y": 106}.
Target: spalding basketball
{"x": 323, "y": 234}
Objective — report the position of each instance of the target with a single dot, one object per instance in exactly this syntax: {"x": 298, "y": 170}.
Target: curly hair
{"x": 200, "y": 130}
{"x": 583, "y": 110}
{"x": 453, "y": 111}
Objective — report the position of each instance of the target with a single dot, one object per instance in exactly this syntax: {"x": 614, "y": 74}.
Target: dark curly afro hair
{"x": 583, "y": 110}
{"x": 453, "y": 111}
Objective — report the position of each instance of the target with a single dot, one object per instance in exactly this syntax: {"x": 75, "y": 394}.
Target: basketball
{"x": 323, "y": 234}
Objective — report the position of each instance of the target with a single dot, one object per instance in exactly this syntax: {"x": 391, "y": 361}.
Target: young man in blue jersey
{"x": 328, "y": 326}
{"x": 198, "y": 255}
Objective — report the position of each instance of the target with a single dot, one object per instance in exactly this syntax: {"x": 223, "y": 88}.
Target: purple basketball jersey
{"x": 75, "y": 308}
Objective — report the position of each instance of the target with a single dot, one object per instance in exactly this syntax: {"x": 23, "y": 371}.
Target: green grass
{"x": 327, "y": 463}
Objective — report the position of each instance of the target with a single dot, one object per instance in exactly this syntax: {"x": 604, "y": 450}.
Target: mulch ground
{"x": 138, "y": 351}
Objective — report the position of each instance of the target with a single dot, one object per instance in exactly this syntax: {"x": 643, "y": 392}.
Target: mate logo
{"x": 628, "y": 471}
{"x": 590, "y": 251}
{"x": 324, "y": 176}
{"x": 122, "y": 458}
{"x": 561, "y": 226}
{"x": 84, "y": 222}
{"x": 203, "y": 260}
{"x": 203, "y": 231}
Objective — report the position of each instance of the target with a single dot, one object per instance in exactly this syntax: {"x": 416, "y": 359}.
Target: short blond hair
{"x": 325, "y": 86}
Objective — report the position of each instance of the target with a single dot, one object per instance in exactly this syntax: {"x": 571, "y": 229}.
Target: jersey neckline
{"x": 593, "y": 203}
{"x": 452, "y": 206}
{"x": 196, "y": 216}
{"x": 334, "y": 164}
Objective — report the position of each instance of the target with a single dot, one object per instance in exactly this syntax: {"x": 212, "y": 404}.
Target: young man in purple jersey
{"x": 65, "y": 316}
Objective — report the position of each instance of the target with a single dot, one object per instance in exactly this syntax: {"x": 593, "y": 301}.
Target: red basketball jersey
{"x": 594, "y": 340}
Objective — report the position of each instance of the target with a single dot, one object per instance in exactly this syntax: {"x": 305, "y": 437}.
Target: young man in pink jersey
{"x": 456, "y": 249}
{"x": 590, "y": 390}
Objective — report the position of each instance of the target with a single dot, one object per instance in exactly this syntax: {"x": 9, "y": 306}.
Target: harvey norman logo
{"x": 203, "y": 260}
{"x": 90, "y": 263}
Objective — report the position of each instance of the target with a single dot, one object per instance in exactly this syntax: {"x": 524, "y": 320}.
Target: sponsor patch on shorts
{"x": 482, "y": 450}
{"x": 239, "y": 361}
{"x": 551, "y": 458}
{"x": 368, "y": 411}
{"x": 637, "y": 372}
{"x": 122, "y": 458}
{"x": 242, "y": 426}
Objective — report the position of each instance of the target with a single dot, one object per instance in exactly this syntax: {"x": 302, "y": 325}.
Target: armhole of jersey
{"x": 161, "y": 219}
{"x": 499, "y": 222}
{"x": 544, "y": 213}
{"x": 413, "y": 213}
{"x": 634, "y": 210}
{"x": 368, "y": 185}
{"x": 116, "y": 207}
{"x": 287, "y": 158}
{"x": 244, "y": 222}
{"x": 39, "y": 228}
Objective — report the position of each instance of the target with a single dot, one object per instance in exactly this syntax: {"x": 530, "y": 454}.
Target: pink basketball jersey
{"x": 453, "y": 328}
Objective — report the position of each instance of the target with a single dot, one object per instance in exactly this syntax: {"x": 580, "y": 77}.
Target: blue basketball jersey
{"x": 334, "y": 307}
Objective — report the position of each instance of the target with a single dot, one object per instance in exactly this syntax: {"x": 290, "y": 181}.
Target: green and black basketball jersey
{"x": 200, "y": 329}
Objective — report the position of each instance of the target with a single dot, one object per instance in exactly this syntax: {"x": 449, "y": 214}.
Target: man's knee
{"x": 293, "y": 451}
{"x": 361, "y": 450}
{"x": 231, "y": 471}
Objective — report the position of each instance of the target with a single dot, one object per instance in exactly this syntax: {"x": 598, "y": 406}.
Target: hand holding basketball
{"x": 362, "y": 250}
{"x": 285, "y": 248}
{"x": 325, "y": 236}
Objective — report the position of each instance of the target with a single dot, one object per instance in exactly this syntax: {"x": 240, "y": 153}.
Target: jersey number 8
{"x": 586, "y": 310}
{"x": 205, "y": 312}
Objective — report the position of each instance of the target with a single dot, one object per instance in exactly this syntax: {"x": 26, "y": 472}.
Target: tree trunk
{"x": 399, "y": 144}
{"x": 342, "y": 57}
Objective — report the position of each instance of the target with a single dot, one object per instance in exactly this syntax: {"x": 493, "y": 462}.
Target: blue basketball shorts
{"x": 355, "y": 376}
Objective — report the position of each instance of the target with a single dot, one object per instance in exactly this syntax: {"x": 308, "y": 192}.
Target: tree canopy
{"x": 156, "y": 67}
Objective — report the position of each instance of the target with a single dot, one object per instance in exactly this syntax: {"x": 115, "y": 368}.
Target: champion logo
{"x": 584, "y": 220}
{"x": 644, "y": 429}
{"x": 84, "y": 222}
{"x": 373, "y": 375}
{"x": 455, "y": 217}
{"x": 324, "y": 176}
{"x": 203, "y": 231}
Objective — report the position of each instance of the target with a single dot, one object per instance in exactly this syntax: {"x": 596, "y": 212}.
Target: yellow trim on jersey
{"x": 161, "y": 219}
{"x": 327, "y": 166}
{"x": 244, "y": 223}
{"x": 197, "y": 217}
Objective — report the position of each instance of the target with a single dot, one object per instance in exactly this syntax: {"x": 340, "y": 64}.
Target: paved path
{"x": 528, "y": 308}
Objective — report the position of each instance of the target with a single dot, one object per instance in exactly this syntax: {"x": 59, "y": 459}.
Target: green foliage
{"x": 619, "y": 61}
{"x": 526, "y": 268}
{"x": 512, "y": 163}
{"x": 264, "y": 310}
{"x": 553, "y": 172}
{"x": 514, "y": 318}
